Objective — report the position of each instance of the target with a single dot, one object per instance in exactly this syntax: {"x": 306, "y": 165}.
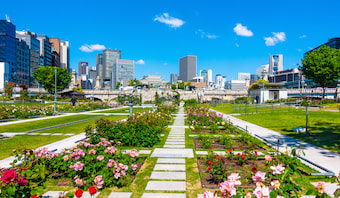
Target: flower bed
{"x": 24, "y": 111}
{"x": 141, "y": 130}
{"x": 88, "y": 106}
{"x": 100, "y": 165}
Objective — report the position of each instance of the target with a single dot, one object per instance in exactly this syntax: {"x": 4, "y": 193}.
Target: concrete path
{"x": 325, "y": 158}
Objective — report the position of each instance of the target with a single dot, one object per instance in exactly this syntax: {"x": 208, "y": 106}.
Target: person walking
{"x": 73, "y": 100}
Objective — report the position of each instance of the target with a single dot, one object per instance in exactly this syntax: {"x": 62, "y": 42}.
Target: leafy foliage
{"x": 322, "y": 66}
{"x": 46, "y": 76}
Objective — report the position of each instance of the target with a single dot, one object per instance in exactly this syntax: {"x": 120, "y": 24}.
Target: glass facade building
{"x": 45, "y": 49}
{"x": 22, "y": 62}
{"x": 8, "y": 50}
{"x": 123, "y": 71}
{"x": 109, "y": 58}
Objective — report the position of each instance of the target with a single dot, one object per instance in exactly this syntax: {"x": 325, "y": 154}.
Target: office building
{"x": 209, "y": 76}
{"x": 173, "y": 78}
{"x": 123, "y": 71}
{"x": 254, "y": 78}
{"x": 243, "y": 76}
{"x": 82, "y": 68}
{"x": 22, "y": 62}
{"x": 109, "y": 59}
{"x": 153, "y": 80}
{"x": 92, "y": 73}
{"x": 286, "y": 76}
{"x": 236, "y": 84}
{"x": 7, "y": 51}
{"x": 34, "y": 46}
{"x": 332, "y": 43}
{"x": 99, "y": 68}
{"x": 65, "y": 55}
{"x": 204, "y": 75}
{"x": 55, "y": 48}
{"x": 275, "y": 64}
{"x": 220, "y": 81}
{"x": 45, "y": 50}
{"x": 187, "y": 68}
{"x": 261, "y": 69}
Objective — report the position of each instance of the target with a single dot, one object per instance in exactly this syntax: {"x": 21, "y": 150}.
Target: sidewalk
{"x": 323, "y": 157}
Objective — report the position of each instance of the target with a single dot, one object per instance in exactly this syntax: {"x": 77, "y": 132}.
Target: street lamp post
{"x": 92, "y": 89}
{"x": 5, "y": 94}
{"x": 264, "y": 72}
{"x": 55, "y": 90}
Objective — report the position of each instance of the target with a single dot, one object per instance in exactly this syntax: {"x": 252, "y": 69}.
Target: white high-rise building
{"x": 65, "y": 55}
{"x": 260, "y": 70}
{"x": 209, "y": 75}
{"x": 243, "y": 76}
{"x": 220, "y": 81}
{"x": 275, "y": 64}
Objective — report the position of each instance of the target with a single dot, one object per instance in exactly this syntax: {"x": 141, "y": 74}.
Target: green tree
{"x": 259, "y": 82}
{"x": 118, "y": 85}
{"x": 45, "y": 75}
{"x": 322, "y": 66}
{"x": 78, "y": 89}
{"x": 134, "y": 82}
{"x": 181, "y": 85}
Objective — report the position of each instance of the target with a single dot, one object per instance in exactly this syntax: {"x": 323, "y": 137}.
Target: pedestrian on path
{"x": 73, "y": 100}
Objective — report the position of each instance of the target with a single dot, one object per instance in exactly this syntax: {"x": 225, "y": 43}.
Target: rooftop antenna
{"x": 7, "y": 18}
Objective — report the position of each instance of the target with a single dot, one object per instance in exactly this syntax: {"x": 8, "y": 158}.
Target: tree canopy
{"x": 322, "y": 66}
{"x": 259, "y": 82}
{"x": 45, "y": 75}
{"x": 134, "y": 82}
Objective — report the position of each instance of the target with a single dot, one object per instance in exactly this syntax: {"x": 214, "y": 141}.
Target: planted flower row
{"x": 24, "y": 111}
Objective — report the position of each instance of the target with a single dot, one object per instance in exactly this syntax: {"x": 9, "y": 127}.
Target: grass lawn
{"x": 325, "y": 125}
{"x": 224, "y": 108}
{"x": 332, "y": 106}
{"x": 125, "y": 110}
{"x": 35, "y": 141}
{"x": 26, "y": 126}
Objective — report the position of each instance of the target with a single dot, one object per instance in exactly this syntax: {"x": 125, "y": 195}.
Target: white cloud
{"x": 242, "y": 30}
{"x": 237, "y": 45}
{"x": 169, "y": 20}
{"x": 140, "y": 62}
{"x": 303, "y": 36}
{"x": 91, "y": 48}
{"x": 206, "y": 34}
{"x": 278, "y": 37}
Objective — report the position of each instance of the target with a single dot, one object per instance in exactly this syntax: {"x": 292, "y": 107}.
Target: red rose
{"x": 243, "y": 156}
{"x": 8, "y": 176}
{"x": 92, "y": 190}
{"x": 253, "y": 169}
{"x": 34, "y": 196}
{"x": 209, "y": 162}
{"x": 256, "y": 153}
{"x": 209, "y": 168}
{"x": 78, "y": 193}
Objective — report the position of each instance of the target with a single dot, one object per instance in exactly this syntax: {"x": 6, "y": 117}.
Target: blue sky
{"x": 226, "y": 36}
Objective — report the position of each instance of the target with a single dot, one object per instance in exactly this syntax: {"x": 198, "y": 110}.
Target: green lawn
{"x": 35, "y": 141}
{"x": 225, "y": 108}
{"x": 125, "y": 110}
{"x": 323, "y": 124}
{"x": 22, "y": 127}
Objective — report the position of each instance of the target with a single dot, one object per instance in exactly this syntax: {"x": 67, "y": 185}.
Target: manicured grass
{"x": 224, "y": 108}
{"x": 25, "y": 141}
{"x": 323, "y": 124}
{"x": 332, "y": 106}
{"x": 125, "y": 110}
{"x": 27, "y": 126}
{"x": 35, "y": 141}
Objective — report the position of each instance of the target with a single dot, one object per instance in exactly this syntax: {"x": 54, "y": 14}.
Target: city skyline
{"x": 227, "y": 37}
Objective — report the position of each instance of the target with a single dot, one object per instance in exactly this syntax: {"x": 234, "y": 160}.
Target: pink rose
{"x": 8, "y": 176}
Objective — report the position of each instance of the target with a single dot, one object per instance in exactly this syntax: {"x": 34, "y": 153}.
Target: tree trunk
{"x": 323, "y": 92}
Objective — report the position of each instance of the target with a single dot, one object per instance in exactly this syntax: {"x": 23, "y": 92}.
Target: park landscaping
{"x": 125, "y": 110}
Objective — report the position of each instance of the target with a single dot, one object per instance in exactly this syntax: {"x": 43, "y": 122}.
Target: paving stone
{"x": 54, "y": 194}
{"x": 164, "y": 195}
{"x": 220, "y": 152}
{"x": 174, "y": 143}
{"x": 144, "y": 152}
{"x": 171, "y": 161}
{"x": 162, "y": 135}
{"x": 178, "y": 127}
{"x": 170, "y": 167}
{"x": 86, "y": 194}
{"x": 57, "y": 134}
{"x": 45, "y": 133}
{"x": 201, "y": 152}
{"x": 199, "y": 195}
{"x": 176, "y": 136}
{"x": 166, "y": 185}
{"x": 258, "y": 153}
{"x": 120, "y": 195}
{"x": 237, "y": 152}
{"x": 33, "y": 133}
{"x": 166, "y": 152}
{"x": 174, "y": 146}
{"x": 69, "y": 134}
{"x": 168, "y": 175}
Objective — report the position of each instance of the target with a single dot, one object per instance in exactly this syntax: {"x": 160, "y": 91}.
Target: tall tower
{"x": 275, "y": 64}
{"x": 7, "y": 51}
{"x": 187, "y": 68}
{"x": 65, "y": 55}
{"x": 82, "y": 68}
{"x": 109, "y": 58}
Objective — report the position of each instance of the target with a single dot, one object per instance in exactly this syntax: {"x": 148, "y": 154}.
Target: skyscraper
{"x": 173, "y": 78}
{"x": 22, "y": 62}
{"x": 65, "y": 55}
{"x": 187, "y": 68}
{"x": 100, "y": 69}
{"x": 7, "y": 51}
{"x": 82, "y": 68}
{"x": 55, "y": 48}
{"x": 209, "y": 75}
{"x": 45, "y": 49}
{"x": 123, "y": 71}
{"x": 109, "y": 58}
{"x": 243, "y": 76}
{"x": 34, "y": 46}
{"x": 204, "y": 75}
